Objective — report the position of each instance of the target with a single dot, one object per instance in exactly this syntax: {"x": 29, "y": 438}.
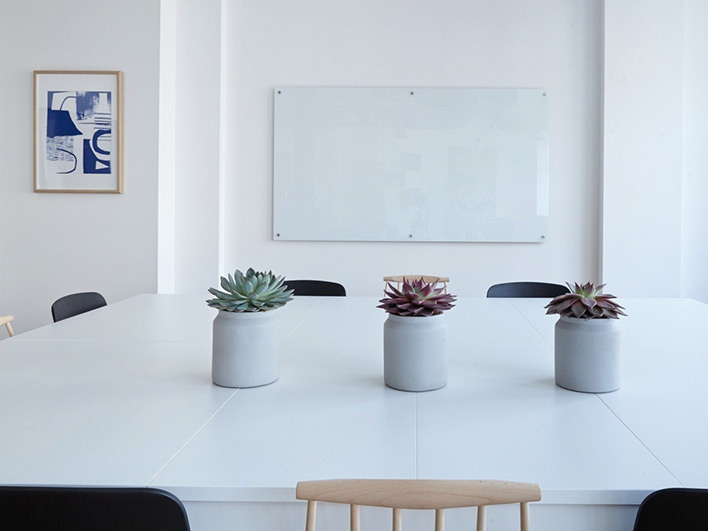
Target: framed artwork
{"x": 78, "y": 128}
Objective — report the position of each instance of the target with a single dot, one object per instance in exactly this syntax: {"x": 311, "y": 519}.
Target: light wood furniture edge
{"x": 426, "y": 278}
{"x": 428, "y": 494}
{"x": 6, "y": 320}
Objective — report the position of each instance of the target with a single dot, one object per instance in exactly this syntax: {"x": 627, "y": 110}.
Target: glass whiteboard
{"x": 410, "y": 164}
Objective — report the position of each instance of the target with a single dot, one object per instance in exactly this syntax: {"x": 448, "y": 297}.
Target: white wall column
{"x": 694, "y": 257}
{"x": 643, "y": 95}
{"x": 167, "y": 148}
{"x": 197, "y": 169}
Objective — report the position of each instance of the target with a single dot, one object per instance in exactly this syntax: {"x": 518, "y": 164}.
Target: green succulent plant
{"x": 585, "y": 301}
{"x": 255, "y": 291}
{"x": 416, "y": 299}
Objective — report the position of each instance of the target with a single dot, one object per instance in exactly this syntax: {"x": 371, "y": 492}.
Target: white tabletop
{"x": 664, "y": 396}
{"x": 665, "y": 400}
{"x": 329, "y": 415}
{"x": 122, "y": 396}
{"x": 99, "y": 413}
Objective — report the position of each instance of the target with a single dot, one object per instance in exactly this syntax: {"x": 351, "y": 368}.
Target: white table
{"x": 122, "y": 396}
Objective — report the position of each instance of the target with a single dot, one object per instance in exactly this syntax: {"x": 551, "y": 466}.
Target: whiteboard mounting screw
{"x": 279, "y": 93}
{"x": 411, "y": 92}
{"x": 410, "y": 235}
{"x": 544, "y": 93}
{"x": 543, "y": 237}
{"x": 277, "y": 235}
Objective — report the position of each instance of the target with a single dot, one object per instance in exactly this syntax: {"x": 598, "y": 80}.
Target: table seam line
{"x": 530, "y": 323}
{"x": 297, "y": 326}
{"x": 638, "y": 439}
{"x": 182, "y": 447}
{"x": 608, "y": 407}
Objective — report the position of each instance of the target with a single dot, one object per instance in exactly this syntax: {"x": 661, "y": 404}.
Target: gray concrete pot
{"x": 245, "y": 349}
{"x": 415, "y": 352}
{"x": 587, "y": 353}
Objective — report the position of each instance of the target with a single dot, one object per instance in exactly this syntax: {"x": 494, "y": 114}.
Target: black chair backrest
{"x": 526, "y": 289}
{"x": 75, "y": 304}
{"x": 90, "y": 509}
{"x": 676, "y": 509}
{"x": 317, "y": 288}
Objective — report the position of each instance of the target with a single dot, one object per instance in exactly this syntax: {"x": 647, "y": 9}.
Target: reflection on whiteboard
{"x": 410, "y": 164}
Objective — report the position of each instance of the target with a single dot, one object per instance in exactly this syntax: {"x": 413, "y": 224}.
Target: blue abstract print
{"x": 79, "y": 131}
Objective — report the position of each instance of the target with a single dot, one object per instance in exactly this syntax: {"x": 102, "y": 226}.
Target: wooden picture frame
{"x": 78, "y": 131}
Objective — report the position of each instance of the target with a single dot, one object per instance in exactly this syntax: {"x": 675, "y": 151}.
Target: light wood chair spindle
{"x": 6, "y": 320}
{"x": 424, "y": 494}
{"x": 354, "y": 517}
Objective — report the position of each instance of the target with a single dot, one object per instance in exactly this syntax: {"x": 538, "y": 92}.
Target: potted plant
{"x": 587, "y": 339}
{"x": 245, "y": 350}
{"x": 415, "y": 336}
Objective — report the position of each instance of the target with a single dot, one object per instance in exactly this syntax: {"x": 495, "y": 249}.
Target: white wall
{"x": 220, "y": 60}
{"x": 191, "y": 117}
{"x": 655, "y": 234}
{"x": 198, "y": 144}
{"x": 54, "y": 244}
{"x": 694, "y": 258}
{"x": 167, "y": 178}
{"x": 642, "y": 147}
{"x": 553, "y": 44}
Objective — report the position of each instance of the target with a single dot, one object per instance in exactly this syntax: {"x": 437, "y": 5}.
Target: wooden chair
{"x": 6, "y": 320}
{"x": 398, "y": 279}
{"x": 417, "y": 494}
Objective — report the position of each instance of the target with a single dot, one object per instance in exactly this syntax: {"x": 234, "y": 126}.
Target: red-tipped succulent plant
{"x": 585, "y": 301}
{"x": 416, "y": 298}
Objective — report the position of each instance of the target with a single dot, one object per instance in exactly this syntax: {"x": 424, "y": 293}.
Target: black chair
{"x": 316, "y": 288}
{"x": 75, "y": 304}
{"x": 90, "y": 509}
{"x": 526, "y": 290}
{"x": 676, "y": 509}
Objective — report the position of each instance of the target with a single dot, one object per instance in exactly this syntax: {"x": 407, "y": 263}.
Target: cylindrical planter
{"x": 415, "y": 352}
{"x": 245, "y": 351}
{"x": 587, "y": 353}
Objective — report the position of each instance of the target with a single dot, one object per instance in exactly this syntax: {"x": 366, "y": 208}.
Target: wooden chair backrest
{"x": 429, "y": 494}
{"x": 6, "y": 320}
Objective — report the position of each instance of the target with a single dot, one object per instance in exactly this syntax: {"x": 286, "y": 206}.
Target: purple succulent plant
{"x": 416, "y": 298}
{"x": 585, "y": 301}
